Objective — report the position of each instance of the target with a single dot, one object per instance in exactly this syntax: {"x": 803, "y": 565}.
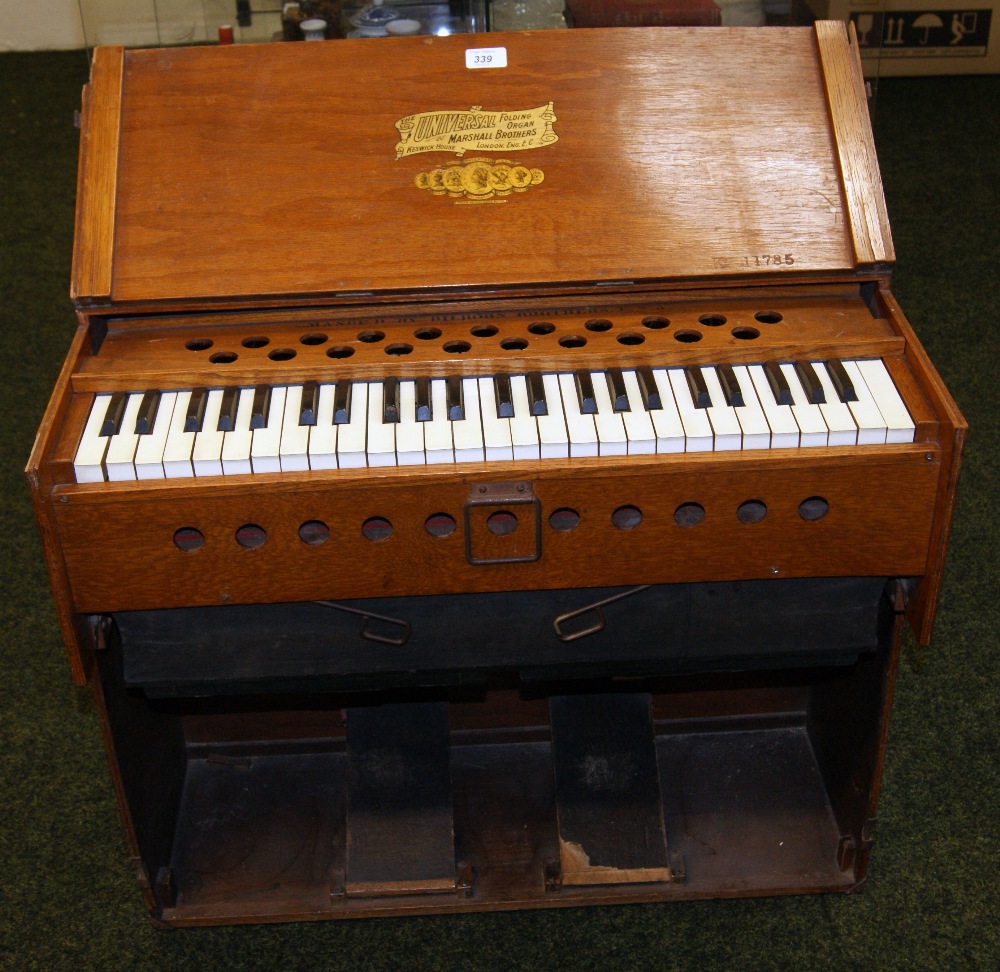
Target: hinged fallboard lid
{"x": 476, "y": 162}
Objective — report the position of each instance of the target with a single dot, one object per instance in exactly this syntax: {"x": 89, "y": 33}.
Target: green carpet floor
{"x": 67, "y": 897}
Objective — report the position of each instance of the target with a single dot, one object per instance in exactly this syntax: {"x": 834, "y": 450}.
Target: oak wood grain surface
{"x": 273, "y": 169}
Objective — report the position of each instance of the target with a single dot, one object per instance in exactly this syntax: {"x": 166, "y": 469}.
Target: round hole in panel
{"x": 314, "y": 532}
{"x": 457, "y": 347}
{"x": 564, "y": 519}
{"x": 370, "y": 337}
{"x": 598, "y": 324}
{"x": 687, "y": 337}
{"x": 312, "y": 338}
{"x": 427, "y": 333}
{"x": 339, "y": 351}
{"x": 501, "y": 523}
{"x": 250, "y": 536}
{"x": 768, "y": 317}
{"x": 752, "y": 511}
{"x": 376, "y": 528}
{"x": 256, "y": 341}
{"x": 223, "y": 357}
{"x": 541, "y": 327}
{"x": 712, "y": 320}
{"x": 282, "y": 354}
{"x": 513, "y": 344}
{"x": 631, "y": 338}
{"x": 188, "y": 538}
{"x": 655, "y": 322}
{"x": 399, "y": 349}
{"x": 483, "y": 330}
{"x": 745, "y": 333}
{"x": 572, "y": 341}
{"x": 689, "y": 514}
{"x": 814, "y": 508}
{"x": 440, "y": 525}
{"x": 626, "y": 517}
{"x": 199, "y": 344}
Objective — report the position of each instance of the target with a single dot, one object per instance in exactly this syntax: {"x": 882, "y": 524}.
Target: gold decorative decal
{"x": 479, "y": 179}
{"x": 476, "y": 130}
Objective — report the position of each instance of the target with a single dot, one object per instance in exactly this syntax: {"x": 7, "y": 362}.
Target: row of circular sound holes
{"x": 628, "y": 338}
{"x": 501, "y": 523}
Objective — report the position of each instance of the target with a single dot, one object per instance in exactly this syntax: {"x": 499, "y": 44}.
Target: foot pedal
{"x": 610, "y": 811}
{"x": 400, "y": 825}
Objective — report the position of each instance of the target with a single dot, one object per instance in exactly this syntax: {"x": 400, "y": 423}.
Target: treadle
{"x": 608, "y": 800}
{"x": 400, "y": 826}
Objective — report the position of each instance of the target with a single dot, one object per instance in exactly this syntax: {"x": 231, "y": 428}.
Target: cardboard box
{"x": 910, "y": 37}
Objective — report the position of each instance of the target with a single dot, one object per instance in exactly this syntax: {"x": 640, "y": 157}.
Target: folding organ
{"x": 479, "y": 486}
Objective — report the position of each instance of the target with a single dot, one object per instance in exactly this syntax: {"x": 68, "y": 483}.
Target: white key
{"x": 808, "y": 417}
{"x": 697, "y": 427}
{"x": 467, "y": 434}
{"x": 581, "y": 428}
{"x": 236, "y": 443}
{"x": 553, "y": 437}
{"x": 351, "y": 436}
{"x": 725, "y": 424}
{"x": 207, "y": 454}
{"x": 753, "y": 422}
{"x": 381, "y": 449}
{"x": 180, "y": 444}
{"x": 838, "y": 418}
{"x": 900, "y": 427}
{"x": 666, "y": 419}
{"x": 784, "y": 428}
{"x": 523, "y": 426}
{"x": 323, "y": 435}
{"x": 409, "y": 432}
{"x": 149, "y": 454}
{"x": 438, "y": 446}
{"x": 496, "y": 431}
{"x": 611, "y": 437}
{"x": 293, "y": 455}
{"x": 89, "y": 458}
{"x": 871, "y": 426}
{"x": 266, "y": 449}
{"x": 637, "y": 421}
{"x": 119, "y": 462}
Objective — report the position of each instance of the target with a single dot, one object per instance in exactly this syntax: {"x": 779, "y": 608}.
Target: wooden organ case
{"x": 490, "y": 472}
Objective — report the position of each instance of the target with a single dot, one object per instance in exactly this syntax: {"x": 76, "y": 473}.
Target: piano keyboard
{"x": 148, "y": 434}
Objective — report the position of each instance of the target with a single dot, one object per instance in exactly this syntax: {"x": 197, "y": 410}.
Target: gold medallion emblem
{"x": 479, "y": 179}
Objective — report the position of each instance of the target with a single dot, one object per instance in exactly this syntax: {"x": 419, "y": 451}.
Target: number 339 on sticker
{"x": 486, "y": 57}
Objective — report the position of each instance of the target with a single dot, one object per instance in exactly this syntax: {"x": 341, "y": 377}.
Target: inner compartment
{"x": 710, "y": 739}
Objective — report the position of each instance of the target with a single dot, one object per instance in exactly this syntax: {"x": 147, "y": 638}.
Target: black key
{"x": 390, "y": 401}
{"x": 261, "y": 407}
{"x": 779, "y": 386}
{"x": 536, "y": 393}
{"x": 810, "y": 383}
{"x": 698, "y": 388}
{"x": 585, "y": 392}
{"x": 309, "y": 405}
{"x": 342, "y": 402}
{"x": 502, "y": 394}
{"x": 455, "y": 398}
{"x": 113, "y": 414}
{"x": 617, "y": 390}
{"x": 425, "y": 408}
{"x": 731, "y": 390}
{"x": 647, "y": 388}
{"x": 195, "y": 417}
{"x": 842, "y": 381}
{"x": 147, "y": 413}
{"x": 227, "y": 414}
